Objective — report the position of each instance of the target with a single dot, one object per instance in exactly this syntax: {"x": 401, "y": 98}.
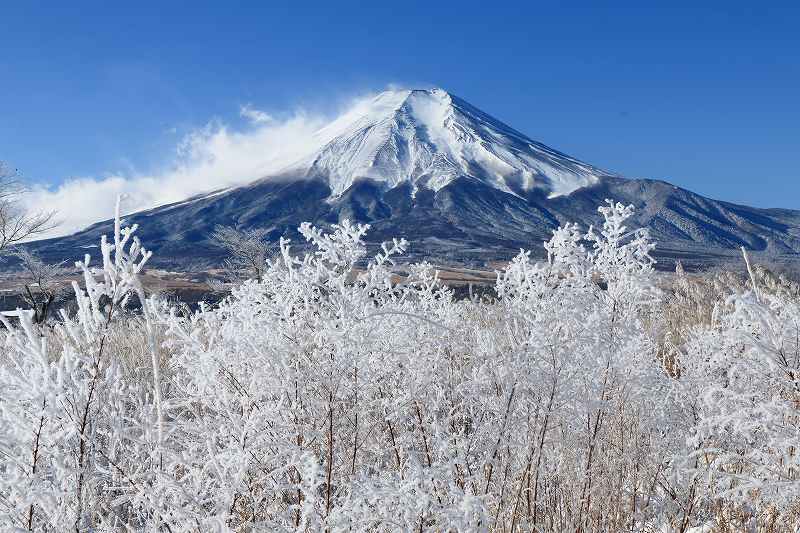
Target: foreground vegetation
{"x": 318, "y": 397}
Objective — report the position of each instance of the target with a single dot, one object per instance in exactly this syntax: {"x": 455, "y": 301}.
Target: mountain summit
{"x": 429, "y": 138}
{"x": 461, "y": 186}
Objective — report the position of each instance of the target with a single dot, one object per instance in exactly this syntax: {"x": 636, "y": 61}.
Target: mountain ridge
{"x": 461, "y": 186}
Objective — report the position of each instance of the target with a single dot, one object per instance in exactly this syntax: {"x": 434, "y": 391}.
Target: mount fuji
{"x": 461, "y": 186}
{"x": 429, "y": 139}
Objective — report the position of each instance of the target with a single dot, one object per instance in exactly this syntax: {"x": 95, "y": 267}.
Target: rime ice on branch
{"x": 329, "y": 395}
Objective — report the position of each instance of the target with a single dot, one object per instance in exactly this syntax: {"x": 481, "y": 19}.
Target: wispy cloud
{"x": 215, "y": 156}
{"x": 256, "y": 116}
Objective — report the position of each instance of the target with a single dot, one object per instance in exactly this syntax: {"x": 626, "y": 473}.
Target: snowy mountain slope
{"x": 461, "y": 186}
{"x": 430, "y": 138}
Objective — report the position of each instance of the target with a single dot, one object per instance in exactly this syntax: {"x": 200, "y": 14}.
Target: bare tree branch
{"x": 16, "y": 223}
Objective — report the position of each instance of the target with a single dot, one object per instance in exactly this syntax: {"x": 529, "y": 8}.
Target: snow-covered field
{"x": 583, "y": 398}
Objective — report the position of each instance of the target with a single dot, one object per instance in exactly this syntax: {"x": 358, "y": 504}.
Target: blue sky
{"x": 705, "y": 96}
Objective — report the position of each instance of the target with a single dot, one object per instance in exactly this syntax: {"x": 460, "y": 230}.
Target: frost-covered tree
{"x": 42, "y": 283}
{"x": 248, "y": 250}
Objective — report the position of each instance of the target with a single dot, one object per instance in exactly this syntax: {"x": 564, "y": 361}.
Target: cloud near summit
{"x": 215, "y": 156}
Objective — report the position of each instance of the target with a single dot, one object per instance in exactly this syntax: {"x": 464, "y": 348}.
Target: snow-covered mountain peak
{"x": 434, "y": 139}
{"x": 430, "y": 138}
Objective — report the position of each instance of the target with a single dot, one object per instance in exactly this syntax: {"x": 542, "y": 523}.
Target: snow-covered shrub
{"x": 743, "y": 372}
{"x": 63, "y": 411}
{"x": 586, "y": 376}
{"x": 333, "y": 394}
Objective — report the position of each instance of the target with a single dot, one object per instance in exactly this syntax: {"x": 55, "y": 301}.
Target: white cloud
{"x": 213, "y": 157}
{"x": 255, "y": 116}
